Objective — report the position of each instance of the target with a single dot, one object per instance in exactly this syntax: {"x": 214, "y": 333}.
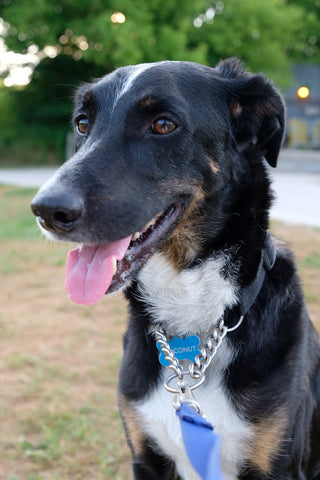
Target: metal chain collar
{"x": 196, "y": 370}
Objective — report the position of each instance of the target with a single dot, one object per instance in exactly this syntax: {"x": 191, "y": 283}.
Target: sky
{"x": 18, "y": 66}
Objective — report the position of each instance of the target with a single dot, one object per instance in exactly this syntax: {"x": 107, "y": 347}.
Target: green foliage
{"x": 265, "y": 34}
{"x": 35, "y": 120}
{"x": 307, "y": 42}
{"x": 49, "y": 97}
{"x": 7, "y": 117}
{"x": 268, "y": 35}
{"x": 25, "y": 136}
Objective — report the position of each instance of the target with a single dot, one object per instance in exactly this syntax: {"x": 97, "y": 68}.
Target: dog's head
{"x": 164, "y": 154}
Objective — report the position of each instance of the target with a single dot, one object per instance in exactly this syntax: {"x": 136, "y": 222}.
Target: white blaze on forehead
{"x": 89, "y": 147}
{"x": 134, "y": 72}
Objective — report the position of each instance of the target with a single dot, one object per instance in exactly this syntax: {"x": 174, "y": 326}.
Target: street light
{"x": 303, "y": 92}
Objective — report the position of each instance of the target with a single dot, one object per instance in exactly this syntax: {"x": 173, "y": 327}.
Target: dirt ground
{"x": 57, "y": 361}
{"x": 59, "y": 365}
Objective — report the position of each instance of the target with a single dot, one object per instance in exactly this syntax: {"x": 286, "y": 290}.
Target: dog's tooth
{"x": 136, "y": 236}
{"x": 149, "y": 224}
{"x": 145, "y": 228}
{"x": 114, "y": 261}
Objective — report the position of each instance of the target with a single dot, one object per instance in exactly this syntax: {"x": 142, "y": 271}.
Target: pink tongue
{"x": 90, "y": 270}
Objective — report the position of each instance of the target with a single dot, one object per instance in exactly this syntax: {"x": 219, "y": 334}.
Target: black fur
{"x": 211, "y": 172}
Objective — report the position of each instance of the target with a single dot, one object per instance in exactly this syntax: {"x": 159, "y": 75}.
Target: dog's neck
{"x": 193, "y": 300}
{"x": 189, "y": 301}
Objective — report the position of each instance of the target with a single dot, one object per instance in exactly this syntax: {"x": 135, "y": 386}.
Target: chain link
{"x": 197, "y": 368}
{"x": 209, "y": 350}
{"x": 168, "y": 353}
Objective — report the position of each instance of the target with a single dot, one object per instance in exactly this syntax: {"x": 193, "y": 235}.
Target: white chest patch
{"x": 162, "y": 424}
{"x": 192, "y": 301}
{"x": 189, "y": 301}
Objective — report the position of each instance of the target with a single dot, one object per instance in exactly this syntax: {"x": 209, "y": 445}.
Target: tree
{"x": 307, "y": 45}
{"x": 152, "y": 30}
{"x": 267, "y": 34}
{"x": 92, "y": 37}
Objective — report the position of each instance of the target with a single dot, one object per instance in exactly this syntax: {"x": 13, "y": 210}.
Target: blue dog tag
{"x": 183, "y": 348}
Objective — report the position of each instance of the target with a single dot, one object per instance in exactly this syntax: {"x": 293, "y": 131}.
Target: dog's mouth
{"x": 93, "y": 270}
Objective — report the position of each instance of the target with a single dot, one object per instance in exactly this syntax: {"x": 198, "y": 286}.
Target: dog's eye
{"x": 82, "y": 125}
{"x": 163, "y": 126}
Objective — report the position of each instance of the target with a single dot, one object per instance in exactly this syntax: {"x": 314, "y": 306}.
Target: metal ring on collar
{"x": 236, "y": 325}
{"x": 200, "y": 379}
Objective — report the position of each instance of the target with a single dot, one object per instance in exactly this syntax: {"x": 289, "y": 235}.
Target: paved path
{"x": 296, "y": 182}
{"x": 297, "y": 198}
{"x": 26, "y": 177}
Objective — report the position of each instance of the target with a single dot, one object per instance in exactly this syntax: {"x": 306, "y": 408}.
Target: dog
{"x": 168, "y": 194}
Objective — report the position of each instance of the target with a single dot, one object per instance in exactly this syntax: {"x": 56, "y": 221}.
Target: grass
{"x": 16, "y": 219}
{"x": 59, "y": 361}
{"x": 312, "y": 261}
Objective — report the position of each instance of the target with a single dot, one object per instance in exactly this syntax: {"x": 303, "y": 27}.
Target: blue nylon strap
{"x": 201, "y": 443}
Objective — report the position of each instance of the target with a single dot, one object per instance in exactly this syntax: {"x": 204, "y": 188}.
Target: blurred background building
{"x": 303, "y": 107}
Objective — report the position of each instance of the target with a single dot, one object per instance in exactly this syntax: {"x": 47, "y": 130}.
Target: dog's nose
{"x": 57, "y": 212}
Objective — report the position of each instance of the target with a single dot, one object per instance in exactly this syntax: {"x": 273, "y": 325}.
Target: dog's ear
{"x": 256, "y": 109}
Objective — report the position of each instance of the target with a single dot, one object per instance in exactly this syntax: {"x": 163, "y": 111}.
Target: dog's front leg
{"x": 146, "y": 472}
{"x": 148, "y": 462}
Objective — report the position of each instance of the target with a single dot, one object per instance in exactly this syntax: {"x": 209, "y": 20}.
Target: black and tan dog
{"x": 168, "y": 194}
